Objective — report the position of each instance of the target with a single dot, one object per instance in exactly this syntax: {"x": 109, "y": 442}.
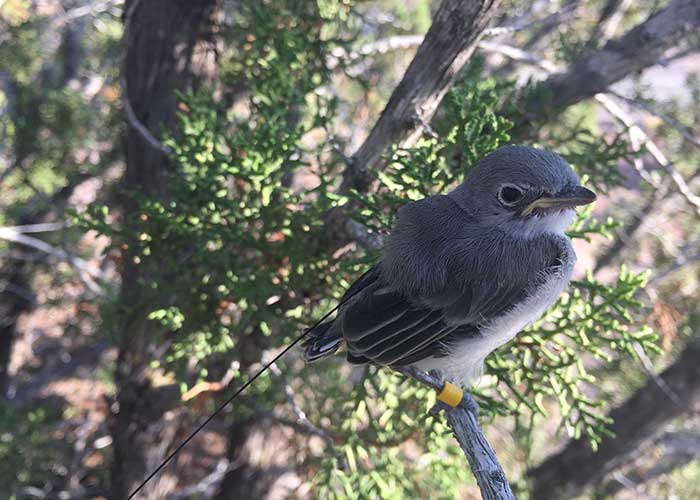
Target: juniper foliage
{"x": 238, "y": 259}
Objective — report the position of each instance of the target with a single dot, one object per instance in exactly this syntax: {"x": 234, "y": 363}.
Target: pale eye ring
{"x": 510, "y": 194}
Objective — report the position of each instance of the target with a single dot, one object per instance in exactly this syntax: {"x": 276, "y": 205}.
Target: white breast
{"x": 466, "y": 357}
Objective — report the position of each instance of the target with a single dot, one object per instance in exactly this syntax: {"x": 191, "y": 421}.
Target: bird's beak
{"x": 569, "y": 198}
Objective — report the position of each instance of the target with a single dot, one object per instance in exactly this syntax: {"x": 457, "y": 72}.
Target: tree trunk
{"x": 168, "y": 47}
{"x": 635, "y": 422}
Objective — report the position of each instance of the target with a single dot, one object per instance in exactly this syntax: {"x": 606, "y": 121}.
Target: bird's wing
{"x": 382, "y": 326}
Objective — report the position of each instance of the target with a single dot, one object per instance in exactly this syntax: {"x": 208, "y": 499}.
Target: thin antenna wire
{"x": 229, "y": 400}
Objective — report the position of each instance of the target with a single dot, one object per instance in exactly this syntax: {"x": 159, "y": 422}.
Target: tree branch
{"x": 636, "y": 421}
{"x": 639, "y": 48}
{"x": 450, "y": 41}
{"x": 138, "y": 125}
{"x": 610, "y": 18}
{"x": 85, "y": 271}
{"x": 671, "y": 451}
{"x": 488, "y": 472}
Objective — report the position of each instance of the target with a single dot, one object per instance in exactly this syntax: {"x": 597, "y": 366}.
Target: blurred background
{"x": 180, "y": 194}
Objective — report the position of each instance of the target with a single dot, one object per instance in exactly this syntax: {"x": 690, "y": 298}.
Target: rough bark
{"x": 168, "y": 47}
{"x": 639, "y": 48}
{"x": 637, "y": 421}
{"x": 483, "y": 461}
{"x": 489, "y": 475}
{"x": 450, "y": 41}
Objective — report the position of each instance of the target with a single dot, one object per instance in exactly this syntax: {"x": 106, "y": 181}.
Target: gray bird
{"x": 461, "y": 274}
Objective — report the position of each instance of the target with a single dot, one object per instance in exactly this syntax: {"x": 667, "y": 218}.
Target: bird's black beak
{"x": 568, "y": 198}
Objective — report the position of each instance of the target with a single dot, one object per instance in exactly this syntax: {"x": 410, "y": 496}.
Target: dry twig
{"x": 636, "y": 131}
{"x": 86, "y": 272}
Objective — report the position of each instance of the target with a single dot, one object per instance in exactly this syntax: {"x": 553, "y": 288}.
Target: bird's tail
{"x": 322, "y": 341}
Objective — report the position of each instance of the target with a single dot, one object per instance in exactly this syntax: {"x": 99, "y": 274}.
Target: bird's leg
{"x": 420, "y": 376}
{"x": 469, "y": 403}
{"x": 436, "y": 380}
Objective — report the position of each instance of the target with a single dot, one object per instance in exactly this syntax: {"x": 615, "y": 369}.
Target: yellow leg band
{"x": 450, "y": 395}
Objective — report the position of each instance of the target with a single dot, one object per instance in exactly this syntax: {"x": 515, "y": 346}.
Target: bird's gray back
{"x": 438, "y": 253}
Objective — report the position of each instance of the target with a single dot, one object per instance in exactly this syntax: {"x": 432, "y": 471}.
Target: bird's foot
{"x": 470, "y": 404}
{"x": 452, "y": 396}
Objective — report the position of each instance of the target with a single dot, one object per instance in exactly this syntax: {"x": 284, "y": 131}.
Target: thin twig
{"x": 381, "y": 46}
{"x": 651, "y": 147}
{"x": 679, "y": 127}
{"x": 301, "y": 419}
{"x": 554, "y": 19}
{"x": 35, "y": 228}
{"x": 638, "y": 491}
{"x": 519, "y": 55}
{"x": 137, "y": 125}
{"x": 682, "y": 260}
{"x": 208, "y": 485}
{"x": 651, "y": 372}
{"x": 9, "y": 234}
{"x": 91, "y": 9}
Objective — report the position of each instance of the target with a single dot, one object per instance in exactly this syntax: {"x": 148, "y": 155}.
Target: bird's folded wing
{"x": 382, "y": 326}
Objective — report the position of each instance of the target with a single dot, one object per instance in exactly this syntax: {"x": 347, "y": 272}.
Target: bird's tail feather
{"x": 322, "y": 342}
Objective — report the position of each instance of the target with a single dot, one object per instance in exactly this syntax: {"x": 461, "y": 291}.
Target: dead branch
{"x": 651, "y": 147}
{"x": 301, "y": 420}
{"x": 671, "y": 122}
{"x": 671, "y": 451}
{"x": 35, "y": 228}
{"x": 207, "y": 486}
{"x": 138, "y": 125}
{"x": 638, "y": 137}
{"x": 86, "y": 272}
{"x": 610, "y": 18}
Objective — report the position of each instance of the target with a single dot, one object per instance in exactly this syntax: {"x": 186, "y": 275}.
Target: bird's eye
{"x": 510, "y": 194}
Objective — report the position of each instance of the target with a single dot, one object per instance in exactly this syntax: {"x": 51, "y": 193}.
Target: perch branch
{"x": 488, "y": 472}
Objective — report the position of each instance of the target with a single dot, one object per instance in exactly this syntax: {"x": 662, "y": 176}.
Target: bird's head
{"x": 524, "y": 190}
